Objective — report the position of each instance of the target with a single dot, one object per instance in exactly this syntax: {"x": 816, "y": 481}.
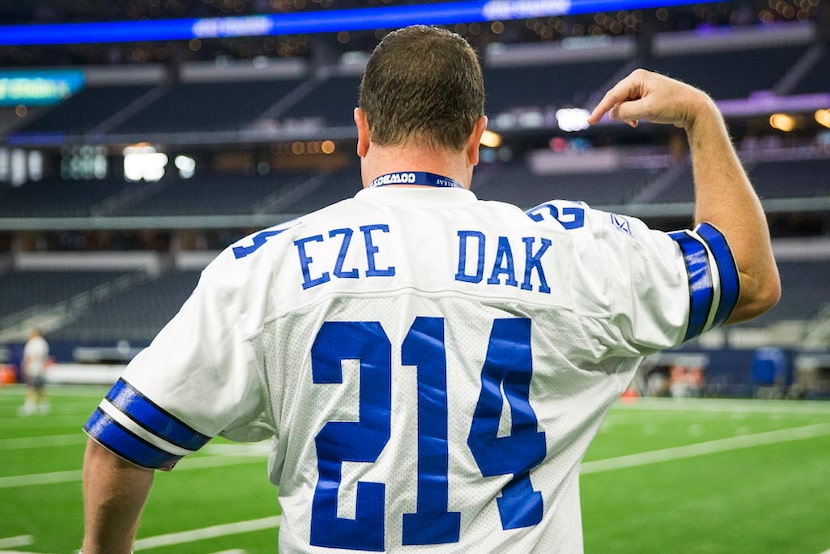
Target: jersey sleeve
{"x": 712, "y": 276}
{"x": 664, "y": 288}
{"x": 197, "y": 379}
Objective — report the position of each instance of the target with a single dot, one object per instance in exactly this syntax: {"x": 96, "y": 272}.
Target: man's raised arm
{"x": 724, "y": 196}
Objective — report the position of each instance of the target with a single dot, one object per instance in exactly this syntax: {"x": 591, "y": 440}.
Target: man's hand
{"x": 655, "y": 98}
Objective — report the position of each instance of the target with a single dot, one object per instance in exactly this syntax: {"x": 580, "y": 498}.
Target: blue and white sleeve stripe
{"x": 730, "y": 285}
{"x": 712, "y": 275}
{"x": 701, "y": 288}
{"x": 134, "y": 428}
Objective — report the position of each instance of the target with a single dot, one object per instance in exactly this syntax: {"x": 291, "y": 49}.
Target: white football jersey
{"x": 431, "y": 367}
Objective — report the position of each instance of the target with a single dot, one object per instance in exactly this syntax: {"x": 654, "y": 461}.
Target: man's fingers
{"x": 620, "y": 93}
{"x": 611, "y": 99}
{"x": 630, "y": 111}
{"x": 600, "y": 110}
{"x": 618, "y": 112}
{"x": 617, "y": 115}
{"x": 596, "y": 115}
{"x": 643, "y": 95}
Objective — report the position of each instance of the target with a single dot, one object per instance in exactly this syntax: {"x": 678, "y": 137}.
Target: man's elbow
{"x": 758, "y": 296}
{"x": 769, "y": 294}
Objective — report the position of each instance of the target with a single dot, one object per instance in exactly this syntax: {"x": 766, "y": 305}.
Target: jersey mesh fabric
{"x": 594, "y": 292}
{"x": 569, "y": 403}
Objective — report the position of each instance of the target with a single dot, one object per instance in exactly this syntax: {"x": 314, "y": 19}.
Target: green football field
{"x": 663, "y": 476}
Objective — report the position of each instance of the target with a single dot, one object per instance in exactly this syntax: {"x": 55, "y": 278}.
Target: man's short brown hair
{"x": 422, "y": 84}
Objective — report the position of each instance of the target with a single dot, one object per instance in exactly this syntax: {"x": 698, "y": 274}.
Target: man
{"x": 33, "y": 365}
{"x": 431, "y": 367}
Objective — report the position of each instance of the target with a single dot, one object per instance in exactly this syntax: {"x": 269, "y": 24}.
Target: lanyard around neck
{"x": 415, "y": 178}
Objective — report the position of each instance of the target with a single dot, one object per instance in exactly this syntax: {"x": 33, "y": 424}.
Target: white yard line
{"x": 14, "y": 542}
{"x": 19, "y": 540}
{"x": 741, "y": 405}
{"x": 703, "y": 448}
{"x": 42, "y": 442}
{"x": 215, "y": 461}
{"x": 40, "y": 479}
{"x": 53, "y": 418}
{"x": 594, "y": 466}
{"x": 194, "y": 535}
{"x": 75, "y": 474}
{"x": 260, "y": 449}
{"x": 597, "y": 466}
{"x": 74, "y": 391}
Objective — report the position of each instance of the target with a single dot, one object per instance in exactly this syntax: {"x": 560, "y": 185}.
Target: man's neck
{"x": 382, "y": 160}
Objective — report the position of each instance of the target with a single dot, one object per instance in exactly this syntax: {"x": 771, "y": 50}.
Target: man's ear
{"x": 475, "y": 140}
{"x": 364, "y": 137}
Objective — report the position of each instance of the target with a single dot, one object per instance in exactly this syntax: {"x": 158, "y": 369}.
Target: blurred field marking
{"x": 51, "y": 419}
{"x": 14, "y": 542}
{"x": 75, "y": 474}
{"x": 242, "y": 454}
{"x": 200, "y": 462}
{"x": 42, "y": 442}
{"x": 57, "y": 390}
{"x": 704, "y": 448}
{"x": 40, "y": 479}
{"x": 208, "y": 533}
{"x": 253, "y": 449}
{"x": 733, "y": 405}
{"x": 19, "y": 540}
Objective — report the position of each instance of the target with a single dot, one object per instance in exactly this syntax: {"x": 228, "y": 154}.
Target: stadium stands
{"x": 731, "y": 74}
{"x": 816, "y": 81}
{"x": 86, "y": 110}
{"x": 213, "y": 106}
{"x": 516, "y": 184}
{"x": 32, "y": 290}
{"x": 331, "y": 102}
{"x": 731, "y": 65}
{"x": 212, "y": 195}
{"x": 324, "y": 190}
{"x": 781, "y": 179}
{"x": 57, "y": 198}
{"x": 804, "y": 291}
{"x": 133, "y": 314}
{"x": 792, "y": 178}
{"x": 560, "y": 85}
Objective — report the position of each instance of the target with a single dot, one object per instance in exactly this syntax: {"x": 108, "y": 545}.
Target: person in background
{"x": 33, "y": 369}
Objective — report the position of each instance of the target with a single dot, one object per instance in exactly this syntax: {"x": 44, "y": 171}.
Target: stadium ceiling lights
{"x": 491, "y": 139}
{"x": 143, "y": 162}
{"x": 782, "y": 122}
{"x": 329, "y": 21}
{"x": 572, "y": 119}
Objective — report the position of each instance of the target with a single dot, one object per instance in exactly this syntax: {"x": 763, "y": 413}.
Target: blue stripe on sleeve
{"x": 122, "y": 442}
{"x": 127, "y": 399}
{"x": 730, "y": 284}
{"x": 701, "y": 293}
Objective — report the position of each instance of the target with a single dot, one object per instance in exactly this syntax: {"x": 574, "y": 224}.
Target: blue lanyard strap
{"x": 415, "y": 178}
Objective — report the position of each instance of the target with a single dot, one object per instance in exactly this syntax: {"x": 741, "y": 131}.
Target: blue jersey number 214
{"x": 506, "y": 374}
